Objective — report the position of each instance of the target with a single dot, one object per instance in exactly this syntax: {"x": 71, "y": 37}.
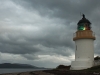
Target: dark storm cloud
{"x": 17, "y": 49}
{"x": 65, "y": 10}
{"x": 23, "y": 44}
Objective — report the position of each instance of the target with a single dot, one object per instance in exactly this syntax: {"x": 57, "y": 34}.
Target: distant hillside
{"x": 9, "y": 65}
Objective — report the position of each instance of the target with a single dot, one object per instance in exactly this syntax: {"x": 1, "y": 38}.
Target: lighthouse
{"x": 84, "y": 42}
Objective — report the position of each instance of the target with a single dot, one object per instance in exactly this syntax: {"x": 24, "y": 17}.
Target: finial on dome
{"x": 83, "y": 16}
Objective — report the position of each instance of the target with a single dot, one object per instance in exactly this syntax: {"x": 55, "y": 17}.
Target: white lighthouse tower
{"x": 84, "y": 41}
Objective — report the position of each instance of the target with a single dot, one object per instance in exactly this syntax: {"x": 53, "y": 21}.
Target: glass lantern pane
{"x": 83, "y": 26}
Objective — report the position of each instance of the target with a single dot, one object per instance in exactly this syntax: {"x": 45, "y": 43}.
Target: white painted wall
{"x": 85, "y": 49}
{"x": 84, "y": 54}
{"x": 79, "y": 65}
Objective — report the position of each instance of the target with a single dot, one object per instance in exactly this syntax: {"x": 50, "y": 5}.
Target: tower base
{"x": 79, "y": 65}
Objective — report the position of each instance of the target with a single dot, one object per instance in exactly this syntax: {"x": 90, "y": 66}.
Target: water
{"x": 17, "y": 70}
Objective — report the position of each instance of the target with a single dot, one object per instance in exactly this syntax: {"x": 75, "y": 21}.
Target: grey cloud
{"x": 30, "y": 56}
{"x": 17, "y": 49}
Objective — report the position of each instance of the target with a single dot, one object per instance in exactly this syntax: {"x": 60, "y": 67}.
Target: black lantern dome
{"x": 84, "y": 20}
{"x": 84, "y": 24}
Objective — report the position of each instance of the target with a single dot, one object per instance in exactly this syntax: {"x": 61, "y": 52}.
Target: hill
{"x": 16, "y": 65}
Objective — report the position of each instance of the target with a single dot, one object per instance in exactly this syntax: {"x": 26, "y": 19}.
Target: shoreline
{"x": 54, "y": 72}
{"x": 29, "y": 73}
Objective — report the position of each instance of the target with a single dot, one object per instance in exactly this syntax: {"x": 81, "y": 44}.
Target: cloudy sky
{"x": 40, "y": 32}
